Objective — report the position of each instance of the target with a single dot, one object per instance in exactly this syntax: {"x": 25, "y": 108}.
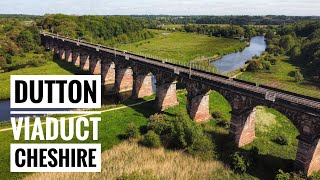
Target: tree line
{"x": 21, "y": 35}
{"x": 299, "y": 41}
{"x": 228, "y": 31}
{"x": 235, "y": 20}
{"x": 107, "y": 30}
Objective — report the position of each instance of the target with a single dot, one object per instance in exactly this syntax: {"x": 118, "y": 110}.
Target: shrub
{"x": 282, "y": 175}
{"x": 298, "y": 76}
{"x": 239, "y": 163}
{"x": 315, "y": 176}
{"x": 273, "y": 61}
{"x": 8, "y": 58}
{"x": 266, "y": 65}
{"x": 201, "y": 148}
{"x": 151, "y": 139}
{"x": 157, "y": 117}
{"x": 281, "y": 140}
{"x": 254, "y": 65}
{"x": 217, "y": 114}
{"x": 145, "y": 175}
{"x": 223, "y": 123}
{"x": 39, "y": 49}
{"x": 132, "y": 131}
{"x": 187, "y": 135}
{"x": 158, "y": 123}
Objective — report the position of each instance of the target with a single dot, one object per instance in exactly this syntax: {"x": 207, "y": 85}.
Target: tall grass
{"x": 129, "y": 159}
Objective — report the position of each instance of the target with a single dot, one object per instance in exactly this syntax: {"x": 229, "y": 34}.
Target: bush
{"x": 273, "y": 61}
{"x": 254, "y": 65}
{"x": 187, "y": 135}
{"x": 39, "y": 49}
{"x": 152, "y": 140}
{"x": 315, "y": 176}
{"x": 223, "y": 123}
{"x": 298, "y": 76}
{"x": 202, "y": 147}
{"x": 239, "y": 163}
{"x": 281, "y": 140}
{"x": 157, "y": 117}
{"x": 282, "y": 175}
{"x": 266, "y": 65}
{"x": 8, "y": 58}
{"x": 145, "y": 175}
{"x": 132, "y": 131}
{"x": 217, "y": 114}
{"x": 158, "y": 123}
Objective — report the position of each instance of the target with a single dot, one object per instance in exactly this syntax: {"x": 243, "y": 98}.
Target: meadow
{"x": 184, "y": 47}
{"x": 281, "y": 76}
{"x": 51, "y": 67}
{"x": 270, "y": 124}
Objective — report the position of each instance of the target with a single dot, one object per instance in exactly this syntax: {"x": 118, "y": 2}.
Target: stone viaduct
{"x": 126, "y": 71}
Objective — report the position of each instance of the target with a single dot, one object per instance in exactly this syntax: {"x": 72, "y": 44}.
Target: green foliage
{"x": 239, "y": 163}
{"x": 182, "y": 133}
{"x": 158, "y": 123}
{"x": 145, "y": 175}
{"x": 132, "y": 131}
{"x": 283, "y": 175}
{"x": 286, "y": 42}
{"x": 111, "y": 30}
{"x": 266, "y": 65}
{"x": 186, "y": 134}
{"x": 298, "y": 76}
{"x": 315, "y": 176}
{"x": 281, "y": 140}
{"x": 151, "y": 139}
{"x": 27, "y": 40}
{"x": 230, "y": 31}
{"x": 301, "y": 42}
{"x": 184, "y": 47}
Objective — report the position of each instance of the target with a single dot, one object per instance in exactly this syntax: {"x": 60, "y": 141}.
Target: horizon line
{"x": 25, "y": 14}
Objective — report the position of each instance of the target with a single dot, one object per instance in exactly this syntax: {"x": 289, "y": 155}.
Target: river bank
{"x": 234, "y": 61}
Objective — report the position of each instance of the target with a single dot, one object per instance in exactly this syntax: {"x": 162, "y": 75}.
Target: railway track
{"x": 270, "y": 94}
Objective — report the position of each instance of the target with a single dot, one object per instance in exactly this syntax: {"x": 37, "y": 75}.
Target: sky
{"x": 162, "y": 7}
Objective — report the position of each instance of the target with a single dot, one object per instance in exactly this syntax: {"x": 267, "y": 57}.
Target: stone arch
{"x": 62, "y": 53}
{"x": 124, "y": 75}
{"x": 243, "y": 128}
{"x": 198, "y": 101}
{"x": 142, "y": 81}
{"x": 95, "y": 64}
{"x": 108, "y": 74}
{"x": 76, "y": 57}
{"x": 166, "y": 86}
{"x": 84, "y": 60}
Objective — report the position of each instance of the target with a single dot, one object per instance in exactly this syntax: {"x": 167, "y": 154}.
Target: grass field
{"x": 184, "y": 47}
{"x": 281, "y": 76}
{"x": 113, "y": 126}
{"x": 136, "y": 162}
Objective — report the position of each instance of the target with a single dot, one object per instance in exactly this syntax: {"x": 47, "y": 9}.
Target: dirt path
{"x": 113, "y": 109}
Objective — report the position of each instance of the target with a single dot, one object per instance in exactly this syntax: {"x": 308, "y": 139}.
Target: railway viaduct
{"x": 125, "y": 71}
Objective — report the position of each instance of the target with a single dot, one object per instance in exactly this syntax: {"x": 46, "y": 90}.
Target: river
{"x": 227, "y": 63}
{"x": 236, "y": 60}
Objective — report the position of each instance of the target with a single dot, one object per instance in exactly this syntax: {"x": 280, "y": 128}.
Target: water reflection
{"x": 236, "y": 60}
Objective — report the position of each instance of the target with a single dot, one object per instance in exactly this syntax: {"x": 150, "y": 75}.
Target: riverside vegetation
{"x": 291, "y": 61}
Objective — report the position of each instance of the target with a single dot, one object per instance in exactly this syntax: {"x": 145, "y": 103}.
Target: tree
{"x": 295, "y": 53}
{"x": 269, "y": 34}
{"x": 286, "y": 42}
{"x": 26, "y": 41}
